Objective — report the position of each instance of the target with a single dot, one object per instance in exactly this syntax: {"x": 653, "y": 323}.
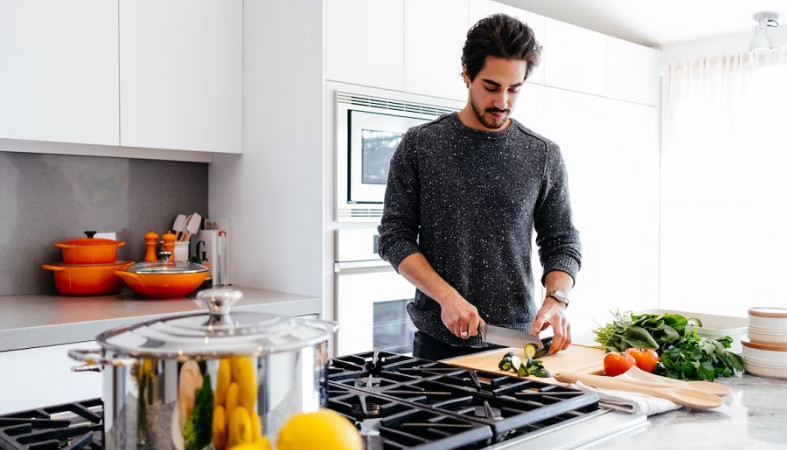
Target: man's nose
{"x": 502, "y": 100}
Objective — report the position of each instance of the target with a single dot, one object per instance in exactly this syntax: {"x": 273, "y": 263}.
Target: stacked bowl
{"x": 765, "y": 348}
{"x": 88, "y": 267}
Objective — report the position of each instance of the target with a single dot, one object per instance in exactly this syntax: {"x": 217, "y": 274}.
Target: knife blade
{"x": 506, "y": 337}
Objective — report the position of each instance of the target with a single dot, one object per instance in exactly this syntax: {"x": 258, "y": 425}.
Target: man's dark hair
{"x": 501, "y": 36}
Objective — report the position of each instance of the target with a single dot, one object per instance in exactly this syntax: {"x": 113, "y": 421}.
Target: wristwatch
{"x": 559, "y": 296}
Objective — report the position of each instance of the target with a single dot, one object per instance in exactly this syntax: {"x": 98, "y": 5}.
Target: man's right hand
{"x": 458, "y": 314}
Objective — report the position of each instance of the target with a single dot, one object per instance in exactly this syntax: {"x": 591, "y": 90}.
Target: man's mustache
{"x": 495, "y": 110}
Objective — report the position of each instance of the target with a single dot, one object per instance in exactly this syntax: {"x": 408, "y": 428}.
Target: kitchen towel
{"x": 633, "y": 402}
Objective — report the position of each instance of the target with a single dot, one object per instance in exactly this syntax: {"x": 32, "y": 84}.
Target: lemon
{"x": 240, "y": 427}
{"x": 231, "y": 401}
{"x": 324, "y": 430}
{"x": 247, "y": 384}
{"x": 235, "y": 363}
{"x": 262, "y": 444}
{"x": 256, "y": 426}
{"x": 223, "y": 380}
{"x": 219, "y": 428}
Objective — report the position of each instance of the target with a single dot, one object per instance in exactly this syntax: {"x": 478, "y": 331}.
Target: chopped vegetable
{"x": 524, "y": 368}
{"x": 684, "y": 354}
{"x": 197, "y": 431}
{"x": 530, "y": 350}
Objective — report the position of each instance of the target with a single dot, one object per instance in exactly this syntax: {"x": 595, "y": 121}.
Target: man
{"x": 465, "y": 193}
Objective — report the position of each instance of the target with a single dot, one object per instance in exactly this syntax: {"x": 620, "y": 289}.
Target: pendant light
{"x": 761, "y": 40}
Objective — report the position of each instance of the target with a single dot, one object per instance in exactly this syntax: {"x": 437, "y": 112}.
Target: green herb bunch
{"x": 683, "y": 353}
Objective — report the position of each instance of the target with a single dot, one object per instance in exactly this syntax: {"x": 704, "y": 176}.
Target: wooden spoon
{"x": 686, "y": 396}
{"x": 707, "y": 386}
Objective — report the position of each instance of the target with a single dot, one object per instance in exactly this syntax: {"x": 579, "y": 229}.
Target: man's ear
{"x": 465, "y": 77}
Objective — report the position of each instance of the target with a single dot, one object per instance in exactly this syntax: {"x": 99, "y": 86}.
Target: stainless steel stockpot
{"x": 165, "y": 380}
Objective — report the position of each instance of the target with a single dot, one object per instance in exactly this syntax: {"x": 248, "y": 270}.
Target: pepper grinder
{"x": 151, "y": 241}
{"x": 169, "y": 244}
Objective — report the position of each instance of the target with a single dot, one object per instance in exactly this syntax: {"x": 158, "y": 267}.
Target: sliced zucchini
{"x": 515, "y": 362}
{"x": 530, "y": 350}
{"x": 510, "y": 354}
{"x": 523, "y": 370}
{"x": 542, "y": 373}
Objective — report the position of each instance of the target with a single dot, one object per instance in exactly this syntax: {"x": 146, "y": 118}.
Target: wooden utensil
{"x": 179, "y": 225}
{"x": 192, "y": 226}
{"x": 686, "y": 396}
{"x": 710, "y": 387}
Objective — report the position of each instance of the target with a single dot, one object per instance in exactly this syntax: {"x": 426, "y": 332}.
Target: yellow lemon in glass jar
{"x": 324, "y": 430}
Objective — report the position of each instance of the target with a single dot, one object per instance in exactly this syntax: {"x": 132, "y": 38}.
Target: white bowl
{"x": 769, "y": 319}
{"x": 768, "y": 360}
{"x": 767, "y": 336}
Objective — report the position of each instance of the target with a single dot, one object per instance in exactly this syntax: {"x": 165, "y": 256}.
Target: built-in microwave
{"x": 368, "y": 130}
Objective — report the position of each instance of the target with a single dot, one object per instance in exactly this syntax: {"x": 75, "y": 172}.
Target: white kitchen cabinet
{"x": 59, "y": 75}
{"x": 42, "y": 376}
{"x": 632, "y": 72}
{"x": 478, "y": 9}
{"x": 611, "y": 152}
{"x": 365, "y": 42}
{"x": 574, "y": 58}
{"x": 181, "y": 74}
{"x": 434, "y": 34}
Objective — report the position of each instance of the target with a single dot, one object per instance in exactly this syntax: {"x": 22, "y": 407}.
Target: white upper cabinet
{"x": 484, "y": 8}
{"x": 181, "y": 74}
{"x": 574, "y": 58}
{"x": 632, "y": 72}
{"x": 434, "y": 34}
{"x": 59, "y": 71}
{"x": 365, "y": 42}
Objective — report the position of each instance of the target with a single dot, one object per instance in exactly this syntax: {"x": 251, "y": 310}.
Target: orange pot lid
{"x": 768, "y": 311}
{"x": 90, "y": 240}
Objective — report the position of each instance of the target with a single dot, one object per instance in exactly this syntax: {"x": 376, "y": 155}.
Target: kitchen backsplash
{"x": 46, "y": 199}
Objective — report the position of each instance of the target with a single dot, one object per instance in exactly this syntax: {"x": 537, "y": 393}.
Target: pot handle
{"x": 61, "y": 245}
{"x": 94, "y": 357}
{"x": 55, "y": 268}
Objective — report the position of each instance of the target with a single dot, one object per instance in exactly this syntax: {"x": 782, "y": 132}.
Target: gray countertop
{"x": 753, "y": 416}
{"x": 28, "y": 321}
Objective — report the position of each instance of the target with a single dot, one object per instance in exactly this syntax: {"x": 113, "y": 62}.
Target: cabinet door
{"x": 59, "y": 76}
{"x": 632, "y": 72}
{"x": 574, "y": 58}
{"x": 483, "y": 8}
{"x": 435, "y": 32}
{"x": 42, "y": 376}
{"x": 365, "y": 42}
{"x": 181, "y": 74}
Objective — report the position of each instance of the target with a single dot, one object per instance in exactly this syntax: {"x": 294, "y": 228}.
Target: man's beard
{"x": 489, "y": 123}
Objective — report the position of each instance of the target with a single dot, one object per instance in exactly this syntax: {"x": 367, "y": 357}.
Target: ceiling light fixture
{"x": 761, "y": 40}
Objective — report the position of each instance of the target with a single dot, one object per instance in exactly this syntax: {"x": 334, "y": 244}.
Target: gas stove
{"x": 397, "y": 401}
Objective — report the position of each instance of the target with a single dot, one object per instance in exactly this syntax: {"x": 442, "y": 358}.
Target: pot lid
{"x": 217, "y": 333}
{"x": 90, "y": 240}
{"x": 768, "y": 311}
{"x": 165, "y": 266}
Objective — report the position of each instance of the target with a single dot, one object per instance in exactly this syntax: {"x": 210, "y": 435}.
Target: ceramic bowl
{"x": 768, "y": 360}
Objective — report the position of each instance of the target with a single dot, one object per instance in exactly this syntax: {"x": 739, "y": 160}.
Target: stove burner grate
{"x": 77, "y": 425}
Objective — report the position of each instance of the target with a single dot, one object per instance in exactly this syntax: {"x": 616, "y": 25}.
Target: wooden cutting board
{"x": 575, "y": 358}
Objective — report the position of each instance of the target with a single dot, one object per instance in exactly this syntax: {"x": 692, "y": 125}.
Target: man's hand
{"x": 553, "y": 313}
{"x": 460, "y": 316}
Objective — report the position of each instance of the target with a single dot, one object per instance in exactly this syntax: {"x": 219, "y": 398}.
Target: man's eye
{"x": 491, "y": 89}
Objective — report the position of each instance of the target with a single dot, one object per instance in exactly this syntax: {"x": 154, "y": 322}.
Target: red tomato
{"x": 646, "y": 359}
{"x": 616, "y": 363}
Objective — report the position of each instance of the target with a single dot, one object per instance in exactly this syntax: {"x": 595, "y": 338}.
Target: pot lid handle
{"x": 219, "y": 301}
{"x": 90, "y": 234}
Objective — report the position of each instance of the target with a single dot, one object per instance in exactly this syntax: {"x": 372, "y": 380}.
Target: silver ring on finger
{"x": 463, "y": 333}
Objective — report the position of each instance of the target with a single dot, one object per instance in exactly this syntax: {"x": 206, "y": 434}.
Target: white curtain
{"x": 724, "y": 184}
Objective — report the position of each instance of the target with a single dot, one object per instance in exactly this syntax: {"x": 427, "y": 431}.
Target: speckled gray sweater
{"x": 469, "y": 201}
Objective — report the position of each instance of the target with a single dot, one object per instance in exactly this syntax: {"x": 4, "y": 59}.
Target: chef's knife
{"x": 507, "y": 337}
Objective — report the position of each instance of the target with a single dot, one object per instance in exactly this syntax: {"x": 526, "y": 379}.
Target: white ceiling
{"x": 657, "y": 23}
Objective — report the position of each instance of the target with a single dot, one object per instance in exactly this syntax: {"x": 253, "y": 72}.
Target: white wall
{"x": 719, "y": 45}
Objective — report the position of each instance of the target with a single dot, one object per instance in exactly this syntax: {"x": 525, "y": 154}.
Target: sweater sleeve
{"x": 558, "y": 242}
{"x": 399, "y": 224}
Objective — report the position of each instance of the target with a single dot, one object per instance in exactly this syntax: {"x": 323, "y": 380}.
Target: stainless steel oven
{"x": 368, "y": 130}
{"x": 371, "y": 298}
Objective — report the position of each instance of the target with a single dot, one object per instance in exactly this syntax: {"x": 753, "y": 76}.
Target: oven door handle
{"x": 345, "y": 266}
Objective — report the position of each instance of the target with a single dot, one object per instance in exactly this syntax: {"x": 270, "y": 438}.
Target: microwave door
{"x": 373, "y": 139}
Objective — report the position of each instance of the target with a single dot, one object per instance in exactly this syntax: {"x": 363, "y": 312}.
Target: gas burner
{"x": 367, "y": 409}
{"x": 487, "y": 412}
{"x": 368, "y": 382}
{"x": 375, "y": 364}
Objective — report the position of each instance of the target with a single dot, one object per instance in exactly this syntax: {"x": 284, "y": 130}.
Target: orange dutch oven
{"x": 87, "y": 279}
{"x": 90, "y": 250}
{"x": 164, "y": 279}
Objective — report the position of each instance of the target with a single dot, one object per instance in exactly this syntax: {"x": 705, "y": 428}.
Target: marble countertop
{"x": 753, "y": 416}
{"x": 28, "y": 321}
